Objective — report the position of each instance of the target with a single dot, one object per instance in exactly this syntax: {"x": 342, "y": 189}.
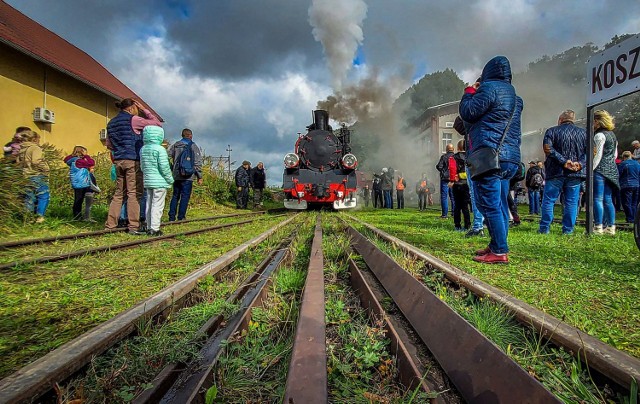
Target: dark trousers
{"x": 242, "y": 198}
{"x": 377, "y": 199}
{"x": 78, "y": 199}
{"x": 462, "y": 200}
{"x": 180, "y": 199}
{"x": 422, "y": 200}
{"x": 400, "y": 198}
{"x": 513, "y": 208}
{"x": 629, "y": 197}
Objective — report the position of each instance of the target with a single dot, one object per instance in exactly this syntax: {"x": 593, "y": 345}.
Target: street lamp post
{"x": 229, "y": 150}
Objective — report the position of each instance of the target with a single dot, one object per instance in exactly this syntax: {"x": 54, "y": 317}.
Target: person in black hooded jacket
{"x": 258, "y": 179}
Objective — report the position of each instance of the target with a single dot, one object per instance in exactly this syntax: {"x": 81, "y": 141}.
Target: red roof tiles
{"x": 22, "y": 33}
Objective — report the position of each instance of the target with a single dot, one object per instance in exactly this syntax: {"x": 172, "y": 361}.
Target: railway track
{"x": 113, "y": 247}
{"x": 37, "y": 378}
{"x": 615, "y": 366}
{"x": 422, "y": 325}
{"x": 46, "y": 240}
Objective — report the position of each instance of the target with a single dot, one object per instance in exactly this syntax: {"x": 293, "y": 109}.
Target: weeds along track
{"x": 38, "y": 377}
{"x": 598, "y": 372}
{"x": 54, "y": 253}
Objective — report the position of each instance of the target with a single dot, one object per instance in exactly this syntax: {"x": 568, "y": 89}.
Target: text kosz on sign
{"x": 614, "y": 72}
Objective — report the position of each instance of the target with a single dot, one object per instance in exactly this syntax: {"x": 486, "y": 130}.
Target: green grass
{"x": 47, "y": 305}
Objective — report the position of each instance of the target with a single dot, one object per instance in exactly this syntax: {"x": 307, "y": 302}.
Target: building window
{"x": 447, "y": 137}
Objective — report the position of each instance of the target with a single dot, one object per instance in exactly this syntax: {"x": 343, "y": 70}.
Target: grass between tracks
{"x": 44, "y": 306}
{"x": 127, "y": 369}
{"x": 361, "y": 368}
{"x": 253, "y": 367}
{"x": 555, "y": 368}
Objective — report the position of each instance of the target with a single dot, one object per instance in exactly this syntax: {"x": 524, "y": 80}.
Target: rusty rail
{"x": 479, "y": 369}
{"x": 408, "y": 373}
{"x": 36, "y": 378}
{"x": 616, "y": 365}
{"x": 307, "y": 376}
{"x": 188, "y": 385}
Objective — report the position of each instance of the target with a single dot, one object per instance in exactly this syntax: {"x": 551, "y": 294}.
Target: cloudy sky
{"x": 248, "y": 73}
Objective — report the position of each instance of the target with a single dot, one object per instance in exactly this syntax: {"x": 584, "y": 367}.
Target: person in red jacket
{"x": 82, "y": 181}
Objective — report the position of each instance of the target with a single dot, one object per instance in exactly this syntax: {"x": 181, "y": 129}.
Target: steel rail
{"x": 53, "y": 239}
{"x": 408, "y": 373}
{"x": 614, "y": 364}
{"x": 476, "y": 366}
{"x": 198, "y": 375}
{"x": 36, "y": 378}
{"x": 119, "y": 246}
{"x": 307, "y": 376}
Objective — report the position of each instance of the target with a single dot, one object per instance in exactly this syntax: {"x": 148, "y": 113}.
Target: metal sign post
{"x": 611, "y": 74}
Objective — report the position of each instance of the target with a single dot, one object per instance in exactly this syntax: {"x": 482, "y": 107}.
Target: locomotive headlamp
{"x": 349, "y": 161}
{"x": 291, "y": 160}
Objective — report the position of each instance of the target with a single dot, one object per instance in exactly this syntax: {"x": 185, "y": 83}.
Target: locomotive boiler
{"x": 322, "y": 170}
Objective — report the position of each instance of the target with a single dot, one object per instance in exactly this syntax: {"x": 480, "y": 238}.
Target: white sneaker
{"x": 597, "y": 229}
{"x": 40, "y": 219}
{"x": 611, "y": 230}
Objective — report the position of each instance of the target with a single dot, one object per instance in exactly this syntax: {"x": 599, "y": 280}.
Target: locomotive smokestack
{"x": 321, "y": 119}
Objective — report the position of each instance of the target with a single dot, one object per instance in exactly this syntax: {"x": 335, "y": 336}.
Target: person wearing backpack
{"x": 80, "y": 167}
{"x": 445, "y": 192}
{"x": 187, "y": 166}
{"x": 534, "y": 181}
{"x": 460, "y": 188}
{"x": 565, "y": 146}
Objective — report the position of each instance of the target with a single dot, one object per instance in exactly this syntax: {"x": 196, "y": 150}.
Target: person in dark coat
{"x": 366, "y": 193}
{"x": 377, "y": 191}
{"x": 533, "y": 187}
{"x": 629, "y": 181}
{"x": 386, "y": 186}
{"x": 243, "y": 182}
{"x": 492, "y": 110}
{"x": 258, "y": 183}
{"x": 445, "y": 192}
{"x": 458, "y": 184}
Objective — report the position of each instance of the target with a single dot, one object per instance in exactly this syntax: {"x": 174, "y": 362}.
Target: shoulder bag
{"x": 486, "y": 160}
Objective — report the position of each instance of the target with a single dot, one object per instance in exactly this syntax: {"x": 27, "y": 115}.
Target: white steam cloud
{"x": 337, "y": 24}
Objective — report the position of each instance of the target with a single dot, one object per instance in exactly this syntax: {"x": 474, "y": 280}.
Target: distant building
{"x": 436, "y": 131}
{"x": 53, "y": 87}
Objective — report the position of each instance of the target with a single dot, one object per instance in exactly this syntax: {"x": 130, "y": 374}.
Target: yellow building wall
{"x": 80, "y": 110}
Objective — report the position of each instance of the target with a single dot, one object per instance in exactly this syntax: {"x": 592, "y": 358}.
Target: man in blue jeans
{"x": 182, "y": 185}
{"x": 565, "y": 146}
{"x": 445, "y": 191}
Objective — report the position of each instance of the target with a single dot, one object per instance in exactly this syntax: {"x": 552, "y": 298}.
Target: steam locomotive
{"x": 321, "y": 171}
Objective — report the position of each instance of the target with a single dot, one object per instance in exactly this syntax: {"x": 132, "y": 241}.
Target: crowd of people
{"x": 483, "y": 174}
{"x": 144, "y": 167}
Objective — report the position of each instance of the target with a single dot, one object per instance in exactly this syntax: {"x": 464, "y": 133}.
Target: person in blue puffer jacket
{"x": 157, "y": 177}
{"x": 487, "y": 107}
{"x": 80, "y": 167}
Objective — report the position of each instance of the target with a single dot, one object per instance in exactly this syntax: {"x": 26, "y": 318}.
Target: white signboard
{"x": 614, "y": 72}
